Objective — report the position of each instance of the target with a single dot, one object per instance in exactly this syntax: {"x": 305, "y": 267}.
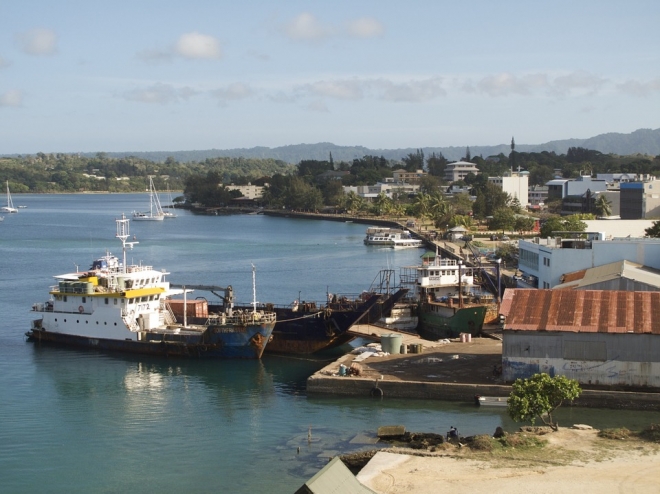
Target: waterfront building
{"x": 249, "y": 191}
{"x": 390, "y": 189}
{"x": 596, "y": 337}
{"x": 543, "y": 261}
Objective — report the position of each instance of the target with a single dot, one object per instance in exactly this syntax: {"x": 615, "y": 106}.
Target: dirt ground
{"x": 573, "y": 461}
{"x": 457, "y": 362}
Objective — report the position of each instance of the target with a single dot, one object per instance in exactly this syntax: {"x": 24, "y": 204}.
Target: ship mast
{"x": 123, "y": 234}
{"x": 254, "y": 289}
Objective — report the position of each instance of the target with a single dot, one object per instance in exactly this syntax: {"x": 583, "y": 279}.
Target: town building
{"x": 562, "y": 187}
{"x": 405, "y": 177}
{"x": 586, "y": 203}
{"x": 543, "y": 261}
{"x": 459, "y": 170}
{"x": 516, "y": 184}
{"x": 390, "y": 189}
{"x": 597, "y": 337}
{"x": 640, "y": 200}
{"x": 249, "y": 191}
{"x": 620, "y": 275}
{"x": 537, "y": 196}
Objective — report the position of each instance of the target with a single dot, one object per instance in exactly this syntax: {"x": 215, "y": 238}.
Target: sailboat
{"x": 169, "y": 214}
{"x": 9, "y": 208}
{"x": 155, "y": 212}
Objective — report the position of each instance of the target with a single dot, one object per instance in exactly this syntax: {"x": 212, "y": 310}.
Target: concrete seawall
{"x": 326, "y": 382}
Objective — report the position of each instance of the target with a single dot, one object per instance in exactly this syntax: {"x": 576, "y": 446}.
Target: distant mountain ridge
{"x": 642, "y": 141}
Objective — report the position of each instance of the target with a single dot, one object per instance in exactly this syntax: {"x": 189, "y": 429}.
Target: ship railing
{"x": 248, "y": 317}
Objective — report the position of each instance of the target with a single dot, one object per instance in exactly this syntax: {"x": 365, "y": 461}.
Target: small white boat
{"x": 491, "y": 401}
{"x": 384, "y": 236}
{"x": 9, "y": 208}
{"x": 406, "y": 243}
{"x": 155, "y": 212}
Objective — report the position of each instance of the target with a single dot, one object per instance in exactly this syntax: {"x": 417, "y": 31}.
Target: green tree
{"x": 539, "y": 396}
{"x": 572, "y": 223}
{"x": 503, "y": 219}
{"x": 653, "y": 231}
{"x": 524, "y": 223}
{"x": 603, "y": 206}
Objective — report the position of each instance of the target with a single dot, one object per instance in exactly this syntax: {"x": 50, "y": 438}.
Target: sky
{"x": 113, "y": 76}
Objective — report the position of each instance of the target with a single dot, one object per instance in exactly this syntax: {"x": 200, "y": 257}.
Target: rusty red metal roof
{"x": 603, "y": 311}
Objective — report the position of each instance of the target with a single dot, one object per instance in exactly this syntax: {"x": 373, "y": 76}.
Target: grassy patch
{"x": 651, "y": 433}
{"x": 617, "y": 433}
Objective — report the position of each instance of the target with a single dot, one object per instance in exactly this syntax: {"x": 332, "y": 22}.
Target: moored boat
{"x": 491, "y": 401}
{"x": 448, "y": 300}
{"x": 9, "y": 208}
{"x": 155, "y": 212}
{"x": 117, "y": 307}
{"x": 384, "y": 236}
{"x": 306, "y": 327}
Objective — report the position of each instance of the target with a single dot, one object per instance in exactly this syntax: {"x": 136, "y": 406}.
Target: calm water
{"x": 80, "y": 421}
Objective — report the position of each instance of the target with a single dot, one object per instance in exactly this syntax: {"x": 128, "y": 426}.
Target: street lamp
{"x": 499, "y": 280}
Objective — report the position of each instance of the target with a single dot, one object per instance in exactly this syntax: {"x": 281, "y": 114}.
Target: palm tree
{"x": 603, "y": 206}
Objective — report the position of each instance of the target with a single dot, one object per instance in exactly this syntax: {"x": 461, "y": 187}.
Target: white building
{"x": 544, "y": 261}
{"x": 516, "y": 184}
{"x": 459, "y": 170}
{"x": 249, "y": 191}
{"x": 562, "y": 187}
{"x": 370, "y": 192}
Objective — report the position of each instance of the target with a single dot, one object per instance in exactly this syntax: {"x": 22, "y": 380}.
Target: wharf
{"x": 453, "y": 371}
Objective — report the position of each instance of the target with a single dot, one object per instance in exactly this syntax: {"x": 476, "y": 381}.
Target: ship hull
{"x": 216, "y": 342}
{"x": 309, "y": 329}
{"x": 437, "y": 322}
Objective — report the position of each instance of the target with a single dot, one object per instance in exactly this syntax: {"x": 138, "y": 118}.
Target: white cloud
{"x": 306, "y": 27}
{"x": 160, "y": 94}
{"x": 412, "y": 91}
{"x": 344, "y": 90}
{"x": 38, "y": 41}
{"x": 576, "y": 81}
{"x": 233, "y": 92}
{"x": 4, "y": 63}
{"x": 637, "y": 88}
{"x": 13, "y": 98}
{"x": 365, "y": 27}
{"x": 318, "y": 106}
{"x": 198, "y": 46}
{"x": 505, "y": 84}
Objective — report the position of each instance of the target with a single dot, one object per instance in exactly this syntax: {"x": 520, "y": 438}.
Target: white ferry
{"x": 385, "y": 236}
{"x": 117, "y": 307}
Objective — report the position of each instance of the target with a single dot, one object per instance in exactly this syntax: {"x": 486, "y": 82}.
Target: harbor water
{"x": 83, "y": 421}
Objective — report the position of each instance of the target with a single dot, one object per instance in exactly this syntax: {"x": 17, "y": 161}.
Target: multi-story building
{"x": 249, "y": 191}
{"x": 562, "y": 187}
{"x": 390, "y": 189}
{"x": 537, "y": 195}
{"x": 640, "y": 200}
{"x": 543, "y": 261}
{"x": 516, "y": 184}
{"x": 404, "y": 176}
{"x": 459, "y": 170}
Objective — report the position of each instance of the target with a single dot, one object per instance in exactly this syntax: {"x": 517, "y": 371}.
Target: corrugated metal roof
{"x": 603, "y": 311}
{"x": 607, "y": 272}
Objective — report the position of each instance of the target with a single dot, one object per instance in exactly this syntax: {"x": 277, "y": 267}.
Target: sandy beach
{"x": 574, "y": 460}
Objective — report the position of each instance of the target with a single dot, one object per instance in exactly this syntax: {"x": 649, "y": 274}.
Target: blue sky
{"x": 85, "y": 75}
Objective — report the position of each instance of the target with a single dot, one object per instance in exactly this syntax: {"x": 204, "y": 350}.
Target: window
{"x": 107, "y": 301}
{"x": 84, "y": 299}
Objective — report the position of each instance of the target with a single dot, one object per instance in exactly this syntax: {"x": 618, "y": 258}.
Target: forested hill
{"x": 644, "y": 141}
